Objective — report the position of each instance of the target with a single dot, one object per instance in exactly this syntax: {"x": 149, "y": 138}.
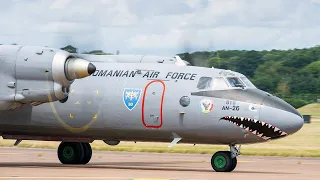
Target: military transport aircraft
{"x": 51, "y": 95}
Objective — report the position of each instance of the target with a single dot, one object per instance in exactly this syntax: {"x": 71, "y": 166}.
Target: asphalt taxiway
{"x": 25, "y": 164}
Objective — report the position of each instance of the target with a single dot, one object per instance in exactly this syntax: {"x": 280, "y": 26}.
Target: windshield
{"x": 235, "y": 82}
{"x": 247, "y": 82}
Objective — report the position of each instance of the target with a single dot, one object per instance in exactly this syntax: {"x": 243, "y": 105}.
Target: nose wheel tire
{"x": 221, "y": 161}
{"x": 74, "y": 153}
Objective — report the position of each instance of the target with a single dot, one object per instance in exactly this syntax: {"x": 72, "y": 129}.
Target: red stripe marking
{"x": 211, "y": 107}
{"x": 161, "y": 104}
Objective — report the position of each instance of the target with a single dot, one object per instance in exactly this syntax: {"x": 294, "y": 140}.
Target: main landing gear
{"x": 225, "y": 161}
{"x": 74, "y": 153}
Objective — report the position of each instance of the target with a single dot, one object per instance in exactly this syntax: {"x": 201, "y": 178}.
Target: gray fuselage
{"x": 165, "y": 99}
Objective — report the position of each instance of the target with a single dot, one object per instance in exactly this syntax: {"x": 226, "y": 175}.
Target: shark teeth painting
{"x": 259, "y": 128}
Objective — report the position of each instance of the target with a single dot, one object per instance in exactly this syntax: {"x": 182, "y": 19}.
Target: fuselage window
{"x": 235, "y": 82}
{"x": 204, "y": 83}
{"x": 220, "y": 84}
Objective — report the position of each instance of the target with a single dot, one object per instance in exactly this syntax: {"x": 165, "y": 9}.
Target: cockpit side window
{"x": 235, "y": 82}
{"x": 220, "y": 84}
{"x": 204, "y": 83}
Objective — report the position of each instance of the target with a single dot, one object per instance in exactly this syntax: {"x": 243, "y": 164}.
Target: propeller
{"x": 188, "y": 46}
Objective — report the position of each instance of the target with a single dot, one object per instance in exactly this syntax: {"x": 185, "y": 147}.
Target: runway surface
{"x": 43, "y": 164}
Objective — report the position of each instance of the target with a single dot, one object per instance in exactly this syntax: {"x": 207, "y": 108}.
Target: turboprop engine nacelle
{"x": 35, "y": 75}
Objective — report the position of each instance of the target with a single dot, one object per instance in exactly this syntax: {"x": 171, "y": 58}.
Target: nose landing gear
{"x": 225, "y": 161}
{"x": 74, "y": 153}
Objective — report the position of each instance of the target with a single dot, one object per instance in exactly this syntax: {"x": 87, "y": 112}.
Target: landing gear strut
{"x": 225, "y": 161}
{"x": 74, "y": 153}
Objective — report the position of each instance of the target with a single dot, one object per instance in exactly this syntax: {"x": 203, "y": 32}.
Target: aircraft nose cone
{"x": 296, "y": 125}
{"x": 281, "y": 115}
{"x": 91, "y": 68}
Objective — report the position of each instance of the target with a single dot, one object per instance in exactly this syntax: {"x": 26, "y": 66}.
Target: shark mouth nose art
{"x": 257, "y": 127}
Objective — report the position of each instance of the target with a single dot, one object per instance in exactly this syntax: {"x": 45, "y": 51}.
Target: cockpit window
{"x": 247, "y": 82}
{"x": 204, "y": 83}
{"x": 219, "y": 84}
{"x": 235, "y": 82}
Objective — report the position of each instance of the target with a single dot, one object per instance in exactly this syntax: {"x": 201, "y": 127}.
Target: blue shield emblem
{"x": 131, "y": 97}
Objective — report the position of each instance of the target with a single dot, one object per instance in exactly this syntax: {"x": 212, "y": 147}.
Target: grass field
{"x": 305, "y": 143}
{"x": 311, "y": 109}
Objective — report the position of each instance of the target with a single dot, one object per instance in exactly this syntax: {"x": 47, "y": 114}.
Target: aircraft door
{"x": 152, "y": 104}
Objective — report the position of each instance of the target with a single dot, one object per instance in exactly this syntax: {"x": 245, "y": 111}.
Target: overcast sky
{"x": 161, "y": 27}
